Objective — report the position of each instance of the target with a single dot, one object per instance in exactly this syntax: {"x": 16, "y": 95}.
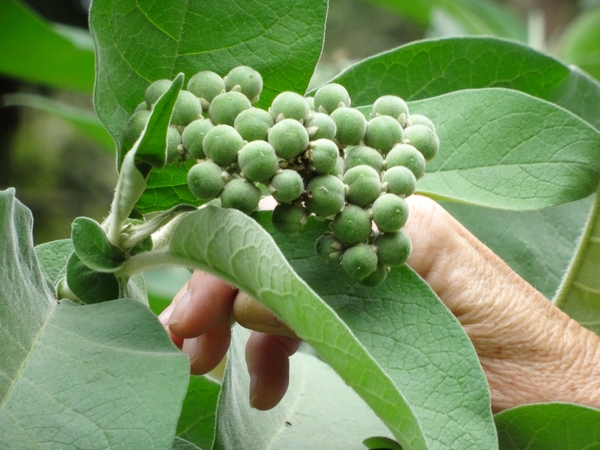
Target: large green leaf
{"x": 430, "y": 68}
{"x": 40, "y": 52}
{"x": 318, "y": 409}
{"x": 197, "y": 420}
{"x": 549, "y": 426}
{"x": 506, "y": 149}
{"x": 52, "y": 257}
{"x": 140, "y": 42}
{"x": 580, "y": 43}
{"x": 427, "y": 358}
{"x": 101, "y": 376}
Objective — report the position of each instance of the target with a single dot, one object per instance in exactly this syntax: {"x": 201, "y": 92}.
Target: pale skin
{"x": 530, "y": 351}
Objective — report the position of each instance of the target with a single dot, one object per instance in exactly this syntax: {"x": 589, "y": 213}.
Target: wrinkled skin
{"x": 529, "y": 349}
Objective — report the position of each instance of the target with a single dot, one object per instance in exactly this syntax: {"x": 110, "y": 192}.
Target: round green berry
{"x": 193, "y": 135}
{"x": 187, "y": 109}
{"x": 206, "y": 180}
{"x": 289, "y": 138}
{"x": 311, "y": 103}
{"x": 258, "y": 161}
{"x": 247, "y": 80}
{"x": 142, "y": 106}
{"x": 352, "y": 225}
{"x": 390, "y": 212}
{"x": 350, "y": 124}
{"x": 206, "y": 85}
{"x": 156, "y": 90}
{"x": 321, "y": 126}
{"x": 173, "y": 143}
{"x": 323, "y": 155}
{"x": 383, "y": 132}
{"x": 423, "y": 139}
{"x": 393, "y": 249}
{"x": 359, "y": 261}
{"x": 289, "y": 105}
{"x": 363, "y": 185}
{"x": 339, "y": 167}
{"x": 253, "y": 124}
{"x": 418, "y": 119}
{"x": 221, "y": 144}
{"x": 225, "y": 107}
{"x": 329, "y": 247}
{"x": 330, "y": 97}
{"x": 399, "y": 180}
{"x": 391, "y": 105}
{"x": 376, "y": 277}
{"x": 286, "y": 186}
{"x": 136, "y": 125}
{"x": 408, "y": 156}
{"x": 325, "y": 195}
{"x": 240, "y": 194}
{"x": 361, "y": 155}
{"x": 288, "y": 218}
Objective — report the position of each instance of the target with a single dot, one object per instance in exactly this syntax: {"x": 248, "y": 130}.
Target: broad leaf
{"x": 53, "y": 257}
{"x": 89, "y": 285}
{"x": 100, "y": 376}
{"x": 580, "y": 42}
{"x": 182, "y": 444}
{"x": 505, "y": 149}
{"x": 549, "y": 426}
{"x": 197, "y": 420}
{"x": 318, "y": 409}
{"x": 93, "y": 247}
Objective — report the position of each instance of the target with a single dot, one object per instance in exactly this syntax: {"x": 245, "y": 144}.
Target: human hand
{"x": 529, "y": 349}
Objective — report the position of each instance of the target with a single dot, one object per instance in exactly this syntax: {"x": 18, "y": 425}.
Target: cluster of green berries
{"x": 315, "y": 156}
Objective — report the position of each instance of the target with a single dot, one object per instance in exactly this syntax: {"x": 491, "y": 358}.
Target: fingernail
{"x": 166, "y": 315}
{"x": 190, "y": 348}
{"x": 180, "y": 308}
{"x": 253, "y": 389}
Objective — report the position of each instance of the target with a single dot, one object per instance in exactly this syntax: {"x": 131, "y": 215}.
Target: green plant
{"x": 112, "y": 379}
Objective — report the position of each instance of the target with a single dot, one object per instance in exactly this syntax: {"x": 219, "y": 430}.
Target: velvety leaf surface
{"x": 101, "y": 376}
{"x": 426, "y": 69}
{"x": 40, "y": 52}
{"x": 140, "y": 42}
{"x": 52, "y": 257}
{"x": 549, "y": 426}
{"x": 580, "y": 42}
{"x": 197, "y": 420}
{"x": 505, "y": 149}
{"x": 318, "y": 410}
{"x": 93, "y": 247}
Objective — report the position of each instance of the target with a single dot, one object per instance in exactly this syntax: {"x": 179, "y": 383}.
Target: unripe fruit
{"x": 352, "y": 225}
{"x": 187, "y": 109}
{"x": 136, "y": 125}
{"x": 383, "y": 132}
{"x": 351, "y": 125}
{"x": 325, "y": 195}
{"x": 391, "y": 105}
{"x": 250, "y": 82}
{"x": 240, "y": 194}
{"x": 173, "y": 143}
{"x": 225, "y": 107}
{"x": 193, "y": 135}
{"x": 418, "y": 119}
{"x": 362, "y": 155}
{"x": 289, "y": 138}
{"x": 408, "y": 156}
{"x": 205, "y": 180}
{"x": 399, "y": 181}
{"x": 288, "y": 218}
{"x": 376, "y": 277}
{"x": 253, "y": 124}
{"x": 331, "y": 96}
{"x": 339, "y": 167}
{"x": 206, "y": 85}
{"x": 258, "y": 161}
{"x": 286, "y": 186}
{"x": 289, "y": 105}
{"x": 423, "y": 139}
{"x": 311, "y": 103}
{"x": 329, "y": 247}
{"x": 321, "y": 126}
{"x": 221, "y": 144}
{"x": 156, "y": 90}
{"x": 142, "y": 106}
{"x": 359, "y": 261}
{"x": 390, "y": 212}
{"x": 363, "y": 185}
{"x": 324, "y": 155}
{"x": 393, "y": 249}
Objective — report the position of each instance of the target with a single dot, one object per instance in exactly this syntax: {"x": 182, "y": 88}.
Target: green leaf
{"x": 85, "y": 121}
{"x": 37, "y": 51}
{"x": 197, "y": 420}
{"x": 52, "y": 257}
{"x": 505, "y": 149}
{"x": 182, "y": 444}
{"x": 317, "y": 408}
{"x": 426, "y": 69}
{"x": 93, "y": 247}
{"x": 381, "y": 443}
{"x": 89, "y": 285}
{"x": 99, "y": 376}
{"x": 549, "y": 426}
{"x": 138, "y": 43}
{"x": 580, "y": 42}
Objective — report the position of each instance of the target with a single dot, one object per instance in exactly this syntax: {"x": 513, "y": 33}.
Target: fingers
{"x": 251, "y": 314}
